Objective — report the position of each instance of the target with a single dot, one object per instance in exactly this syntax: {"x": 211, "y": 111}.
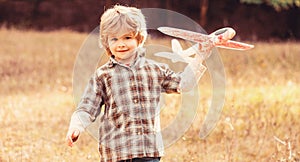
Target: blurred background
{"x": 40, "y": 41}
{"x": 253, "y": 19}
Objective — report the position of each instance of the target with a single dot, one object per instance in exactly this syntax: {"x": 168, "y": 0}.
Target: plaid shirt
{"x": 130, "y": 124}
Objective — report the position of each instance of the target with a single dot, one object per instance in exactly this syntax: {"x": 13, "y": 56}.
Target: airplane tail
{"x": 223, "y": 35}
{"x": 176, "y": 47}
{"x": 223, "y": 40}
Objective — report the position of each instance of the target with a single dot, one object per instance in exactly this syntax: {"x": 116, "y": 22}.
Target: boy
{"x": 129, "y": 86}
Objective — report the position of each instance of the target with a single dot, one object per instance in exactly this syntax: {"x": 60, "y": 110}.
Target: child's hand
{"x": 72, "y": 136}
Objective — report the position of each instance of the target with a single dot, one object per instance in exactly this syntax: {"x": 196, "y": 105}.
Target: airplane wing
{"x": 235, "y": 45}
{"x": 184, "y": 34}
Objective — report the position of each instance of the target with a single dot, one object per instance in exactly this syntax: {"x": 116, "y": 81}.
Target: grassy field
{"x": 259, "y": 122}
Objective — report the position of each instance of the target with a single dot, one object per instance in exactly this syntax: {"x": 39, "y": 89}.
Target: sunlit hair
{"x": 121, "y": 20}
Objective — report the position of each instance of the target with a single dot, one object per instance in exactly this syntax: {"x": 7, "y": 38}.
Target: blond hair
{"x": 122, "y": 19}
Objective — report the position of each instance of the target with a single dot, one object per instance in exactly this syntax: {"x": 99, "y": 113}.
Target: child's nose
{"x": 121, "y": 44}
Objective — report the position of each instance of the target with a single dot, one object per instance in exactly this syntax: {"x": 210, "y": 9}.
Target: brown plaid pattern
{"x": 130, "y": 125}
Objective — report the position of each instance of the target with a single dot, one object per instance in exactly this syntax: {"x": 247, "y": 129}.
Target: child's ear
{"x": 141, "y": 38}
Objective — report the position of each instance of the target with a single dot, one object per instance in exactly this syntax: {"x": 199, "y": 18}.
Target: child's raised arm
{"x": 193, "y": 71}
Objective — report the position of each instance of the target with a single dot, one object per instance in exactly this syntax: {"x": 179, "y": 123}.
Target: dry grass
{"x": 259, "y": 120}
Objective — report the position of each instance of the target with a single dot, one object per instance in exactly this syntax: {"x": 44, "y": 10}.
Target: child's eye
{"x": 128, "y": 37}
{"x": 113, "y": 39}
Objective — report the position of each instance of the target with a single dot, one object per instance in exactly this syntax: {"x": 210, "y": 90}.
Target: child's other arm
{"x": 87, "y": 110}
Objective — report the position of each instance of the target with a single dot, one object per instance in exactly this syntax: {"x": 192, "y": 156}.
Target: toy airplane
{"x": 204, "y": 44}
{"x": 220, "y": 38}
{"x": 178, "y": 54}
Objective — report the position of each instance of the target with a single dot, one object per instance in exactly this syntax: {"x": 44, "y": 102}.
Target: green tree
{"x": 277, "y": 4}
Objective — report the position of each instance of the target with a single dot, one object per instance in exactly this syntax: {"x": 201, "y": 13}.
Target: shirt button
{"x": 139, "y": 133}
{"x": 135, "y": 101}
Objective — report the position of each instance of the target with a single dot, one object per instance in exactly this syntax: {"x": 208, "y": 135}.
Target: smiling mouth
{"x": 122, "y": 50}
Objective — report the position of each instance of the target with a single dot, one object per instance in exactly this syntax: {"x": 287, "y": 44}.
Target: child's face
{"x": 122, "y": 46}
